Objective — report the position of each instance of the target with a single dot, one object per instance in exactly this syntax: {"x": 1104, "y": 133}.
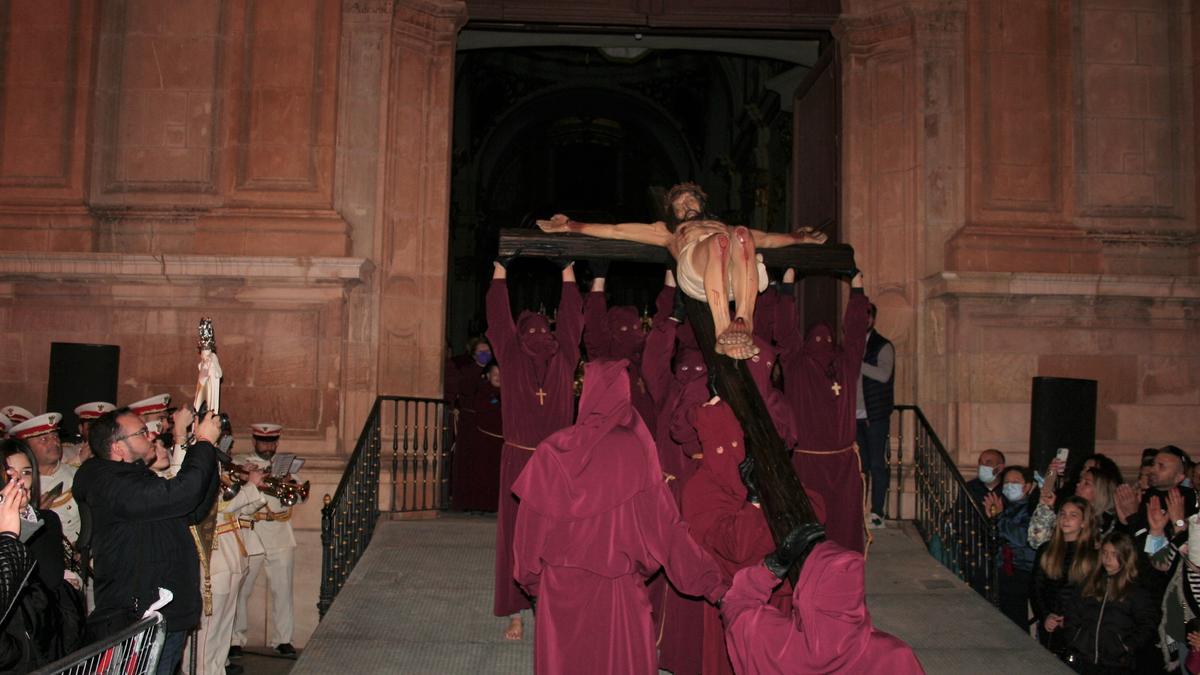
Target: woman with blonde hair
{"x": 1113, "y": 616}
{"x": 1097, "y": 487}
{"x": 1061, "y": 567}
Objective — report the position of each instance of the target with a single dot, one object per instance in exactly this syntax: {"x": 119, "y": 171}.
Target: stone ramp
{"x": 420, "y": 602}
{"x": 951, "y": 627}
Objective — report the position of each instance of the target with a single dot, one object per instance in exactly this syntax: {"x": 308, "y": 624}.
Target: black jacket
{"x": 139, "y": 534}
{"x": 1112, "y": 633}
{"x": 1050, "y": 596}
{"x": 16, "y": 639}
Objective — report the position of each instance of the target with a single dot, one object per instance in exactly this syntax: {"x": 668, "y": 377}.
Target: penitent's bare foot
{"x": 737, "y": 341}
{"x": 515, "y": 630}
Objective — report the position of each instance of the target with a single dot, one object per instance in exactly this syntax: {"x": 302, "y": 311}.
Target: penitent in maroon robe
{"x": 595, "y": 521}
{"x": 475, "y": 481}
{"x": 537, "y": 371}
{"x": 612, "y": 333}
{"x": 781, "y": 412}
{"x": 732, "y": 530}
{"x": 828, "y": 630}
{"x": 464, "y": 378}
{"x": 821, "y": 382}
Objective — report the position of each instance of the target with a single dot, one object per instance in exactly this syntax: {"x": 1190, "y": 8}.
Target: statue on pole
{"x": 208, "y": 384}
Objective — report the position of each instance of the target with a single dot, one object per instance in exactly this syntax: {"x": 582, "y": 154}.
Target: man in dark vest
{"x": 875, "y": 403}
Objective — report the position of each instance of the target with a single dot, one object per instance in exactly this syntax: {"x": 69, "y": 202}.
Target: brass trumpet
{"x": 235, "y": 476}
{"x": 288, "y": 492}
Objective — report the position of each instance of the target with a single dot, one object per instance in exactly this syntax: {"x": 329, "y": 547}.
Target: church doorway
{"x": 599, "y": 124}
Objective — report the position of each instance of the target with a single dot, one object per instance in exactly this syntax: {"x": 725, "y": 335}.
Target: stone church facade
{"x": 1018, "y": 178}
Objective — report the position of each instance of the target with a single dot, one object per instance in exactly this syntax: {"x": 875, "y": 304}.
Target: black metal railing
{"x": 952, "y": 522}
{"x": 422, "y": 438}
{"x": 415, "y": 437}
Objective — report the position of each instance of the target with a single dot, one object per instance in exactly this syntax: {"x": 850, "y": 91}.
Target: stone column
{"x": 362, "y": 103}
{"x": 411, "y": 244}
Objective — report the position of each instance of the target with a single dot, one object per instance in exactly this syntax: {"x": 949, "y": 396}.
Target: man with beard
{"x": 273, "y": 528}
{"x": 714, "y": 261}
{"x": 612, "y": 333}
{"x": 595, "y": 521}
{"x": 538, "y": 371}
{"x": 57, "y": 478}
{"x": 820, "y": 380}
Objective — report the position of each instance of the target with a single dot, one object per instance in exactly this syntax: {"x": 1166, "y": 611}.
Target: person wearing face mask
{"x": 1011, "y": 513}
{"x": 537, "y": 377}
{"x": 677, "y": 379}
{"x": 726, "y": 519}
{"x": 987, "y": 480}
{"x": 475, "y": 482}
{"x": 465, "y": 375}
{"x": 820, "y": 380}
{"x": 612, "y": 333}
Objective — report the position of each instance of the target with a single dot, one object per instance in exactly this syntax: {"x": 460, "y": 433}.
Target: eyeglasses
{"x": 144, "y": 431}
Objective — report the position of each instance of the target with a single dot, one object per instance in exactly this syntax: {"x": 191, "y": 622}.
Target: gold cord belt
{"x": 848, "y": 448}
{"x": 485, "y": 432}
{"x": 518, "y": 445}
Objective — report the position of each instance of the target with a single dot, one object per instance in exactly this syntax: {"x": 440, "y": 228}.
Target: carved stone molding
{"x": 368, "y": 7}
{"x": 19, "y": 266}
{"x": 948, "y": 285}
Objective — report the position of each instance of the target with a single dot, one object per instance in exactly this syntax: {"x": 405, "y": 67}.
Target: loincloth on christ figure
{"x": 691, "y": 280}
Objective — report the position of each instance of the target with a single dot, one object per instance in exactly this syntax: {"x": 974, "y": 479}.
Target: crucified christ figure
{"x": 715, "y": 261}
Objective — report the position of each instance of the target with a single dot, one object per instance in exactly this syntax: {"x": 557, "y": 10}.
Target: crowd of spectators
{"x": 140, "y": 488}
{"x": 1104, "y": 573}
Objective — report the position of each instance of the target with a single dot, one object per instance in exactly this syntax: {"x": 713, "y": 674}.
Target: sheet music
{"x": 285, "y": 463}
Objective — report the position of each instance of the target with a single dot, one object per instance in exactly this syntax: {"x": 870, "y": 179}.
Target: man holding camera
{"x": 139, "y": 535}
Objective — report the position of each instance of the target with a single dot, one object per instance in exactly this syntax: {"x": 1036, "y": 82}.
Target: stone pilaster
{"x": 411, "y": 244}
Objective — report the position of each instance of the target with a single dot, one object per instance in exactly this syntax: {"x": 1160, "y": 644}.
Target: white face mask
{"x": 1014, "y": 491}
{"x": 986, "y": 474}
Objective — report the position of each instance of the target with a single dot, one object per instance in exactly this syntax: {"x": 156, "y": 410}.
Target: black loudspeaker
{"x": 1063, "y": 416}
{"x": 80, "y": 374}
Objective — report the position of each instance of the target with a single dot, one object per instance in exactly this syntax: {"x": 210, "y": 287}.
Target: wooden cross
{"x": 784, "y": 502}
{"x": 837, "y": 388}
{"x": 541, "y": 396}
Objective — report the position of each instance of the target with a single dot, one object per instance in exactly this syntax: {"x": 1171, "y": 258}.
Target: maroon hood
{"x": 606, "y": 458}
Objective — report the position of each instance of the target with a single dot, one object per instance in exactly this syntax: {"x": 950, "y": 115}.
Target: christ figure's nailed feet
{"x": 737, "y": 341}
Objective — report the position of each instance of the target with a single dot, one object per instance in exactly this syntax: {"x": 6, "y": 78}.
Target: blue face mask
{"x": 986, "y": 473}
{"x": 1014, "y": 492}
{"x": 483, "y": 357}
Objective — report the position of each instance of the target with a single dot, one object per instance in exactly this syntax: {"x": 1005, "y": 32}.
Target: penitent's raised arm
{"x": 655, "y": 234}
{"x": 805, "y": 235}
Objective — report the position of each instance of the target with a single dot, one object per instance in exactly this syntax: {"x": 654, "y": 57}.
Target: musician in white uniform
{"x": 273, "y": 528}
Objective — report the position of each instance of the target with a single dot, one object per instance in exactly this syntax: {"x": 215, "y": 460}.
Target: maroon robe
{"x": 532, "y": 359}
{"x": 781, "y": 412}
{"x": 828, "y": 630}
{"x": 595, "y": 521}
{"x": 766, "y": 315}
{"x": 475, "y": 482}
{"x": 682, "y": 618}
{"x": 617, "y": 333}
{"x": 821, "y": 383}
{"x": 732, "y": 530}
{"x": 463, "y": 378}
